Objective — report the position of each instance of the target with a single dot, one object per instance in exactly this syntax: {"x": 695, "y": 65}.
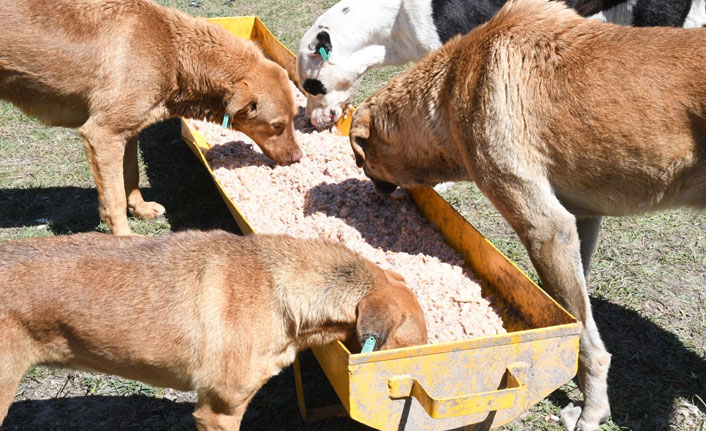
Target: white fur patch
{"x": 619, "y": 14}
{"x": 398, "y": 32}
{"x": 697, "y": 14}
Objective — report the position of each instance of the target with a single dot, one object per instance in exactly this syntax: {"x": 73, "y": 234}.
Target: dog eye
{"x": 278, "y": 127}
{"x": 253, "y": 108}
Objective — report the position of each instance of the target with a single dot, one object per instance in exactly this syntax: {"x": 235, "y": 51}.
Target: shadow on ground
{"x": 651, "y": 370}
{"x": 274, "y": 408}
{"x": 67, "y": 209}
{"x": 100, "y": 413}
{"x": 180, "y": 182}
{"x": 177, "y": 180}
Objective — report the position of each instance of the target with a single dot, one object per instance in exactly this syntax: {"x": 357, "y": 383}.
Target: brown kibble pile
{"x": 326, "y": 195}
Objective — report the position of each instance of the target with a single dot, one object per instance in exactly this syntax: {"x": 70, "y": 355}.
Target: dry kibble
{"x": 326, "y": 195}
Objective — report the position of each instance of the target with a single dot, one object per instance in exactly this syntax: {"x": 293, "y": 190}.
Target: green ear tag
{"x": 325, "y": 55}
{"x": 226, "y": 121}
{"x": 369, "y": 345}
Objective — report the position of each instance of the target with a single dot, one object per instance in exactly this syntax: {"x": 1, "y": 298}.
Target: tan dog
{"x": 213, "y": 312}
{"x": 113, "y": 68}
{"x": 559, "y": 120}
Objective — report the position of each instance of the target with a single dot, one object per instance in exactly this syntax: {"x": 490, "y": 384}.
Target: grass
{"x": 647, "y": 282}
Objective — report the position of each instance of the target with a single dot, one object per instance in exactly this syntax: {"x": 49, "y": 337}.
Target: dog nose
{"x": 297, "y": 155}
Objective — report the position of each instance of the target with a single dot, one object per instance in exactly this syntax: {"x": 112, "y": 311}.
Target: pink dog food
{"x": 326, "y": 195}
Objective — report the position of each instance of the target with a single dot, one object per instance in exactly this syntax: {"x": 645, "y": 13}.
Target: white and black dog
{"x": 355, "y": 35}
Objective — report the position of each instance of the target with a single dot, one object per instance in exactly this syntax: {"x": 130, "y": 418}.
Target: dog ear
{"x": 359, "y": 133}
{"x": 394, "y": 276}
{"x": 360, "y": 126}
{"x": 242, "y": 103}
{"x": 378, "y": 316}
{"x": 357, "y": 144}
{"x": 322, "y": 40}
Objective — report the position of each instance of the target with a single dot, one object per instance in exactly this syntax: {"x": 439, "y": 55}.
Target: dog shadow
{"x": 59, "y": 209}
{"x": 100, "y": 413}
{"x": 301, "y": 124}
{"x": 652, "y": 372}
{"x": 274, "y": 407}
{"x": 383, "y": 221}
{"x": 180, "y": 182}
{"x": 236, "y": 154}
{"x": 176, "y": 179}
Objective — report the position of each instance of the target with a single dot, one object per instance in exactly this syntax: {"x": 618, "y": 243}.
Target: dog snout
{"x": 384, "y": 187}
{"x": 283, "y": 157}
{"x": 319, "y": 123}
{"x": 296, "y": 155}
{"x": 381, "y": 186}
{"x": 325, "y": 118}
{"x": 282, "y": 151}
{"x": 289, "y": 157}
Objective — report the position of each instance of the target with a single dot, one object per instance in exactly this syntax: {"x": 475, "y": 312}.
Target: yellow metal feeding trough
{"x": 473, "y": 384}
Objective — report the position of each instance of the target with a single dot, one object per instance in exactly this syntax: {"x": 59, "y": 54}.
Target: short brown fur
{"x": 559, "y": 120}
{"x": 208, "y": 311}
{"x": 112, "y": 68}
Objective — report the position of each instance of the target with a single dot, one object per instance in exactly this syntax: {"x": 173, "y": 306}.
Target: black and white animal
{"x": 355, "y": 35}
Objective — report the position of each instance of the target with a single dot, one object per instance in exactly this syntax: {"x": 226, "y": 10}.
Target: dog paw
{"x": 570, "y": 416}
{"x": 572, "y": 419}
{"x": 148, "y": 210}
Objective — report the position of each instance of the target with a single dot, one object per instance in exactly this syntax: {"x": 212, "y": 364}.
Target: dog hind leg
{"x": 550, "y": 235}
{"x": 131, "y": 174}
{"x": 588, "y": 229}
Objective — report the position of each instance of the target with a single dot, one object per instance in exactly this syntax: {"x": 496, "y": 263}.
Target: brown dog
{"x": 559, "y": 120}
{"x": 113, "y": 68}
{"x": 213, "y": 312}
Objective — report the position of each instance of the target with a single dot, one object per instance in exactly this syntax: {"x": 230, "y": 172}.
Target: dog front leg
{"x": 221, "y": 410}
{"x": 105, "y": 151}
{"x": 17, "y": 355}
{"x": 131, "y": 173}
{"x": 10, "y": 377}
{"x": 550, "y": 234}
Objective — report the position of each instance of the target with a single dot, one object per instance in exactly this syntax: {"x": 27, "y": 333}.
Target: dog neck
{"x": 318, "y": 286}
{"x": 424, "y": 93}
{"x": 207, "y": 69}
